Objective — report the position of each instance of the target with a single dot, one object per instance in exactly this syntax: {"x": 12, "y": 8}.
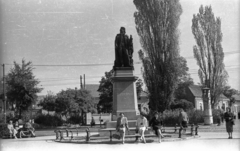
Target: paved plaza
{"x": 212, "y": 139}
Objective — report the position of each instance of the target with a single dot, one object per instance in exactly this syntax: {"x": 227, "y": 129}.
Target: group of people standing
{"x": 15, "y": 129}
{"x": 141, "y": 126}
{"x": 156, "y": 124}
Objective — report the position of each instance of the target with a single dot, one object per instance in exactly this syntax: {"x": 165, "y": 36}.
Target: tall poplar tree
{"x": 156, "y": 24}
{"x": 208, "y": 52}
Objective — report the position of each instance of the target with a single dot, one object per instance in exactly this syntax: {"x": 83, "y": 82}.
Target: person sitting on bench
{"x": 141, "y": 126}
{"x": 18, "y": 129}
{"x": 28, "y": 127}
{"x": 156, "y": 125}
{"x": 11, "y": 129}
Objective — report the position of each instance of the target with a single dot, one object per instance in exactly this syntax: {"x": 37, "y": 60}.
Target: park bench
{"x": 193, "y": 130}
{"x": 8, "y": 135}
{"x": 69, "y": 134}
{"x": 111, "y": 130}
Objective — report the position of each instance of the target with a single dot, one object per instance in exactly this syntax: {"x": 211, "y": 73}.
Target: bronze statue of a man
{"x": 123, "y": 49}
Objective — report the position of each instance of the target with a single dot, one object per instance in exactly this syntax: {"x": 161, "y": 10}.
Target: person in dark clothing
{"x": 19, "y": 130}
{"x": 92, "y": 122}
{"x": 228, "y": 116}
{"x": 156, "y": 125}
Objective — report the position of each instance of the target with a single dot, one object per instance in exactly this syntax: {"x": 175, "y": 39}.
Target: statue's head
{"x": 122, "y": 30}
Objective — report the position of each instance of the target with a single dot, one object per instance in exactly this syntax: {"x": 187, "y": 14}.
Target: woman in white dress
{"x": 141, "y": 126}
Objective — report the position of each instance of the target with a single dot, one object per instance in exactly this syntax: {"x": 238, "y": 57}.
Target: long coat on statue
{"x": 121, "y": 51}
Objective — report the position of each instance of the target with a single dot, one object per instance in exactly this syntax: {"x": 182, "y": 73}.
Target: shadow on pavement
{"x": 217, "y": 138}
{"x": 106, "y": 142}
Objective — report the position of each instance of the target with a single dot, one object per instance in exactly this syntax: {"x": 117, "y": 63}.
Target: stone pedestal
{"x": 124, "y": 94}
{"x": 124, "y": 99}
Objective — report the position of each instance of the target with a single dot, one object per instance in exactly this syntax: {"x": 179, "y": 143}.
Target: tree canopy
{"x": 73, "y": 101}
{"x": 156, "y": 24}
{"x": 22, "y": 86}
{"x": 229, "y": 92}
{"x": 208, "y": 51}
{"x": 48, "y": 103}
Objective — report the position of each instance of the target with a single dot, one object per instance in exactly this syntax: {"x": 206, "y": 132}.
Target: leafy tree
{"x": 106, "y": 92}
{"x": 48, "y": 102}
{"x": 208, "y": 51}
{"x": 229, "y": 92}
{"x": 139, "y": 85}
{"x": 22, "y": 86}
{"x": 73, "y": 101}
{"x": 156, "y": 24}
{"x": 184, "y": 80}
{"x": 184, "y": 104}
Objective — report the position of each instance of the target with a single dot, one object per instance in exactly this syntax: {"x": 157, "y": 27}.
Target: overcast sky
{"x": 78, "y": 32}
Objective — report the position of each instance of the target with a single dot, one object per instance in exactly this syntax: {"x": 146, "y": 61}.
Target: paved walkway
{"x": 208, "y": 141}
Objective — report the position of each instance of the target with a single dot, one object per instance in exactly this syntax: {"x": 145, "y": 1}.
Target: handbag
{"x": 232, "y": 122}
{"x": 116, "y": 136}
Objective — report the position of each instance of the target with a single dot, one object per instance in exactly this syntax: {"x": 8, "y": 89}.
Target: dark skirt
{"x": 229, "y": 126}
{"x": 156, "y": 128}
{"x": 184, "y": 124}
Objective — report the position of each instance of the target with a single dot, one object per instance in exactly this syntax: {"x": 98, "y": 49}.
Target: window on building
{"x": 224, "y": 107}
{"x": 200, "y": 106}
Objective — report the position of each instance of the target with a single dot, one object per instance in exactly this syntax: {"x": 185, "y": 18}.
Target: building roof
{"x": 196, "y": 90}
{"x": 93, "y": 89}
{"x": 223, "y": 97}
{"x": 237, "y": 97}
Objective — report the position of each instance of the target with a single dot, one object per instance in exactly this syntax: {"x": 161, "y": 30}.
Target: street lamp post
{"x": 4, "y": 95}
{"x": 100, "y": 119}
{"x": 32, "y": 106}
{"x": 5, "y": 108}
{"x": 208, "y": 118}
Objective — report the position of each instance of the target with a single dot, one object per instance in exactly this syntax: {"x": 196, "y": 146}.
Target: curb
{"x": 100, "y": 140}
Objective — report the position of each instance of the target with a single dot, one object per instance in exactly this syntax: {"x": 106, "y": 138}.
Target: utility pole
{"x": 80, "y": 82}
{"x": 81, "y": 86}
{"x": 4, "y": 97}
{"x": 84, "y": 81}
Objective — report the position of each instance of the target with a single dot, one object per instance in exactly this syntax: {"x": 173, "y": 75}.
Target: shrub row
{"x": 3, "y": 130}
{"x": 48, "y": 120}
{"x": 170, "y": 117}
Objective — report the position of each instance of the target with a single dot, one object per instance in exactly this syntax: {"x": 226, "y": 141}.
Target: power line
{"x": 191, "y": 71}
{"x": 69, "y": 65}
{"x": 225, "y": 53}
